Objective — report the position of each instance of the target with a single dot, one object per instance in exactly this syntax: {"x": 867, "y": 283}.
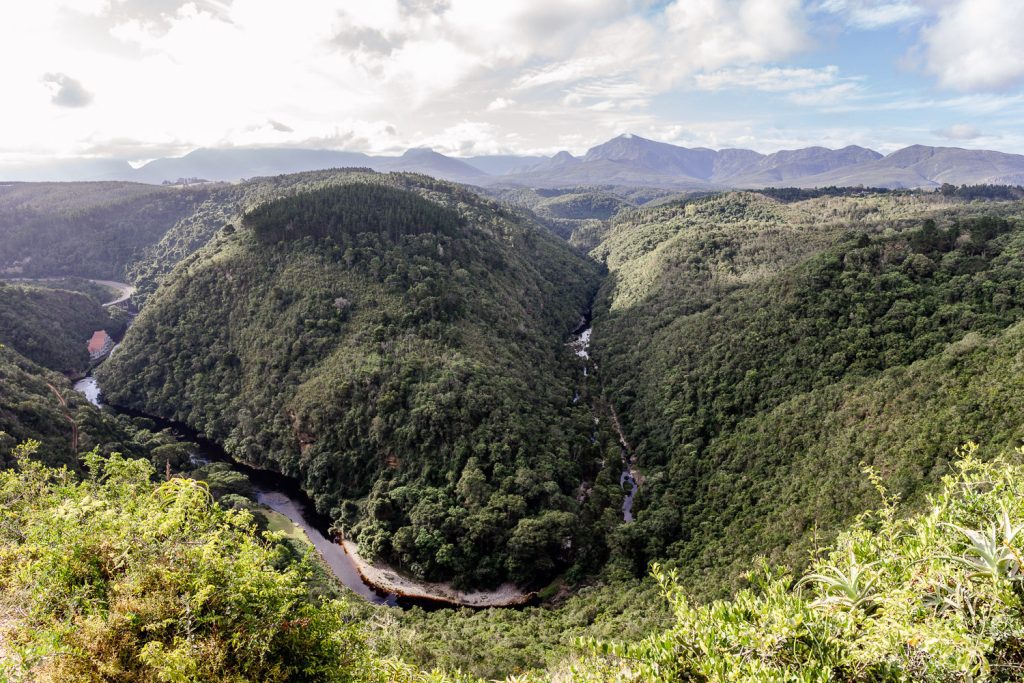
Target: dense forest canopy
{"x": 166, "y": 584}
{"x": 86, "y": 229}
{"x": 347, "y": 210}
{"x": 770, "y": 334}
{"x": 417, "y": 384}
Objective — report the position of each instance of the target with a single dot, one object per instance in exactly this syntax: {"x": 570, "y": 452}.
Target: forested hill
{"x": 52, "y": 326}
{"x": 86, "y": 229}
{"x": 414, "y": 378}
{"x": 757, "y": 352}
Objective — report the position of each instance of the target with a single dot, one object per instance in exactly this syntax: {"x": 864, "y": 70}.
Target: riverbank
{"x": 386, "y": 579}
{"x": 379, "y": 584}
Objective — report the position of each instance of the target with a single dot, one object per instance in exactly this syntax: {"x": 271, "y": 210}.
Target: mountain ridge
{"x": 627, "y": 159}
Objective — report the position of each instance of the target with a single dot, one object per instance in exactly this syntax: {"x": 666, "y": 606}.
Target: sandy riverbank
{"x": 384, "y": 578}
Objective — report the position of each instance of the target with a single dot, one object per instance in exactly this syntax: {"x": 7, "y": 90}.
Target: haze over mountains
{"x": 627, "y": 160}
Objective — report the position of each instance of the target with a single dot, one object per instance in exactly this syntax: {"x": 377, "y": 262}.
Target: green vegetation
{"x": 996, "y": 192}
{"x": 397, "y": 345}
{"x": 161, "y": 585}
{"x": 580, "y": 215}
{"x": 417, "y": 384}
{"x": 52, "y": 326}
{"x": 85, "y": 229}
{"x": 164, "y": 584}
{"x": 344, "y": 211}
{"x": 780, "y": 350}
{"x": 932, "y": 597}
{"x": 40, "y": 405}
{"x": 797, "y": 194}
{"x": 221, "y": 213}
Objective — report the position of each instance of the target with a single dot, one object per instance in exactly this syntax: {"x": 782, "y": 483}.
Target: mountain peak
{"x": 420, "y": 153}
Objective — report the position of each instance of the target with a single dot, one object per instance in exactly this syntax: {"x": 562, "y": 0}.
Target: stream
{"x": 580, "y": 344}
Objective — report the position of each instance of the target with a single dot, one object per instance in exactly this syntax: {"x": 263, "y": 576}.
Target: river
{"x": 273, "y": 491}
{"x": 285, "y": 497}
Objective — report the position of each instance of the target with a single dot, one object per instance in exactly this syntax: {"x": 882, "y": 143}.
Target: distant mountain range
{"x": 625, "y": 160}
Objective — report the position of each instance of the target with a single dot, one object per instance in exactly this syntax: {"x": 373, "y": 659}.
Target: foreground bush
{"x": 932, "y": 597}
{"x": 115, "y": 578}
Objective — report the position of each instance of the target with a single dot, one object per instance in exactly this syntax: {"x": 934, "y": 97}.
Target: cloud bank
{"x": 525, "y": 76}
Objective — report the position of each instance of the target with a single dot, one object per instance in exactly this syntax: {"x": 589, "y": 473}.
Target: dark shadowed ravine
{"x": 580, "y": 344}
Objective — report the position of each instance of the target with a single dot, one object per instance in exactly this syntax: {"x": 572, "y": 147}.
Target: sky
{"x": 141, "y": 79}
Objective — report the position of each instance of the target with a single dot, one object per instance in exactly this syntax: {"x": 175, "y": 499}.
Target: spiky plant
{"x": 849, "y": 588}
{"x": 989, "y": 552}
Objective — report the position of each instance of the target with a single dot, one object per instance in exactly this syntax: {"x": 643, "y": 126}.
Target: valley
{"x": 534, "y": 401}
{"x": 532, "y": 341}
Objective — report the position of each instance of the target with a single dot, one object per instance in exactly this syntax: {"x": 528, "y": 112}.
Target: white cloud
{"x": 630, "y": 61}
{"x": 976, "y": 45}
{"x": 468, "y": 138}
{"x": 499, "y": 103}
{"x": 709, "y": 34}
{"x": 807, "y": 87}
{"x": 874, "y": 14}
{"x": 773, "y": 79}
{"x": 545, "y": 74}
{"x": 826, "y": 97}
{"x": 959, "y": 131}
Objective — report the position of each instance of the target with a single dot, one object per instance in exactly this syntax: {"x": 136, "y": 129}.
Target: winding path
{"x": 123, "y": 289}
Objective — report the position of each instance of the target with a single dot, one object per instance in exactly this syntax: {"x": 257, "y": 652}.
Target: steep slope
{"x": 235, "y": 164}
{"x": 86, "y": 229}
{"x": 221, "y": 210}
{"x": 960, "y": 166}
{"x": 778, "y": 346}
{"x": 51, "y": 326}
{"x": 731, "y": 162}
{"x": 924, "y": 597}
{"x": 783, "y": 167}
{"x": 502, "y": 164}
{"x": 397, "y": 344}
{"x": 625, "y": 160}
{"x": 429, "y": 162}
{"x": 39, "y": 404}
